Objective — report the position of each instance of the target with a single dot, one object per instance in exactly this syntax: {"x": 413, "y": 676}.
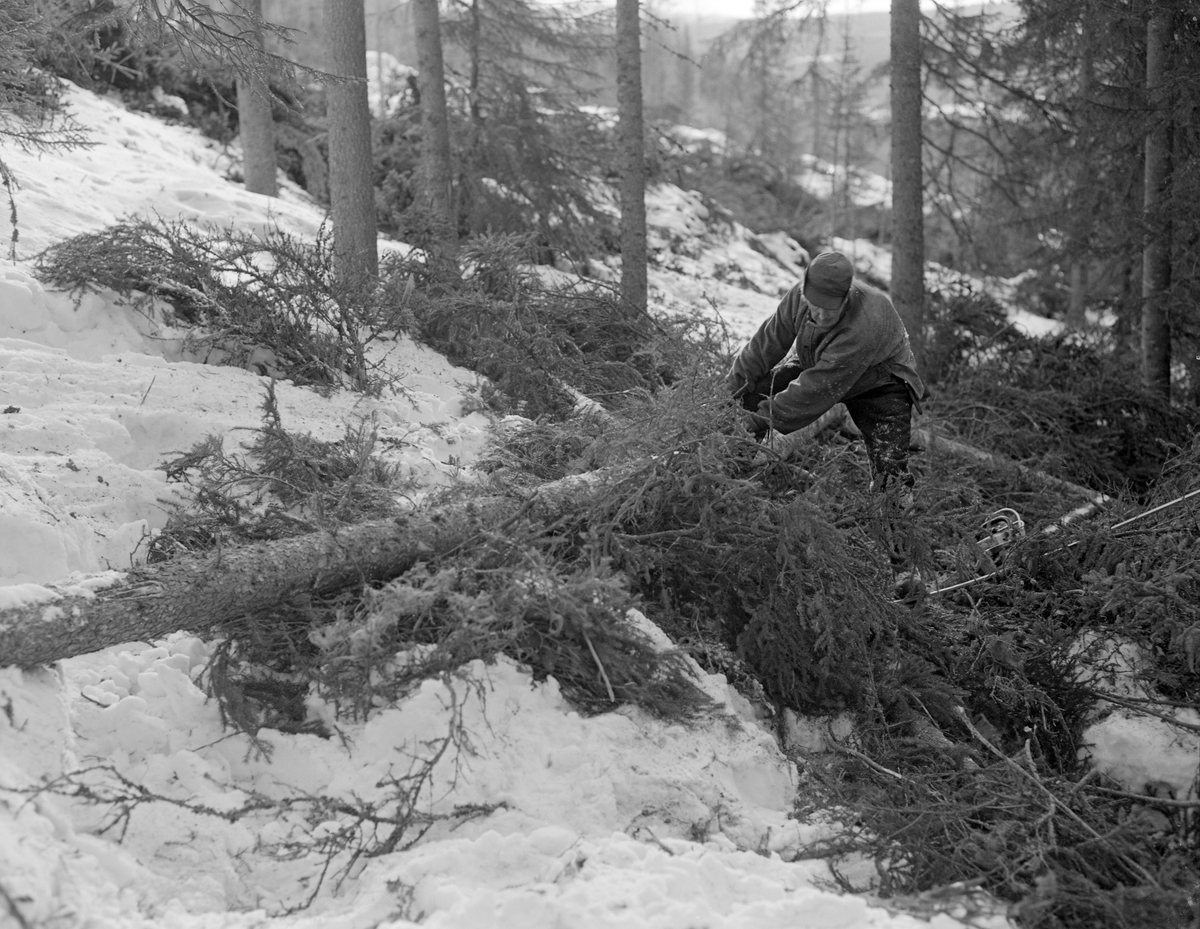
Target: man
{"x": 850, "y": 345}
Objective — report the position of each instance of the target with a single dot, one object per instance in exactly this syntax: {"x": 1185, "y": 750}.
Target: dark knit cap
{"x": 828, "y": 280}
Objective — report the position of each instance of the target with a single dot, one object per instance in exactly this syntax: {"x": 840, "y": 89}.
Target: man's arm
{"x": 769, "y": 344}
{"x": 818, "y": 388}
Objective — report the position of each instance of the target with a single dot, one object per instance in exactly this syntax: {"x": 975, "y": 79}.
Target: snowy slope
{"x": 616, "y": 820}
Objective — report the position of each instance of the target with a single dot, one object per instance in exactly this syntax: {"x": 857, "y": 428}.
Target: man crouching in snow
{"x": 850, "y": 346}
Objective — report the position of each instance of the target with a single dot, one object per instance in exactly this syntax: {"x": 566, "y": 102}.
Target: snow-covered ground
{"x": 614, "y": 820}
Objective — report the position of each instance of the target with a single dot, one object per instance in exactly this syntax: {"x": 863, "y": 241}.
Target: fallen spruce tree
{"x": 203, "y": 591}
{"x": 739, "y": 554}
{"x": 198, "y": 593}
{"x": 688, "y": 531}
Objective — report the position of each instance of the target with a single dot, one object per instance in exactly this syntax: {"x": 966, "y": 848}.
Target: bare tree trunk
{"x": 1077, "y": 302}
{"x": 931, "y": 441}
{"x": 817, "y": 76}
{"x": 686, "y": 68}
{"x": 631, "y": 141}
{"x": 351, "y": 192}
{"x": 435, "y": 124}
{"x": 1156, "y": 253}
{"x": 1076, "y": 317}
{"x": 256, "y": 128}
{"x": 200, "y": 593}
{"x": 908, "y": 220}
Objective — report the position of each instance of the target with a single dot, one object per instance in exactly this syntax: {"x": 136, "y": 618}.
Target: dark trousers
{"x": 883, "y": 415}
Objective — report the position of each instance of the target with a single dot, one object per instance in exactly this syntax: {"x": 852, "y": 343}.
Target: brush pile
{"x": 969, "y": 759}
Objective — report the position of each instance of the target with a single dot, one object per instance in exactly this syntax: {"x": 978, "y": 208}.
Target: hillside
{"x": 545, "y": 720}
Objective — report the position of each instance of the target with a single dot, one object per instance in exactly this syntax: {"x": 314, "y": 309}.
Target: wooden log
{"x": 931, "y": 441}
{"x": 199, "y": 593}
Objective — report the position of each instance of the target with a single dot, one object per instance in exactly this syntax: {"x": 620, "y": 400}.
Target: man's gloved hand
{"x": 757, "y": 425}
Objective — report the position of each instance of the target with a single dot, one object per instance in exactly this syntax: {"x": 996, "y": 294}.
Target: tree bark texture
{"x": 256, "y": 128}
{"x": 435, "y": 125}
{"x": 908, "y": 219}
{"x": 787, "y": 445}
{"x": 200, "y": 593}
{"x": 1156, "y": 252}
{"x": 931, "y": 441}
{"x": 351, "y": 191}
{"x": 631, "y": 142}
{"x": 1081, "y": 221}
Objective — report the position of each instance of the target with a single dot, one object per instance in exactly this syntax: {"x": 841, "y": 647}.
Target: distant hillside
{"x": 390, "y": 29}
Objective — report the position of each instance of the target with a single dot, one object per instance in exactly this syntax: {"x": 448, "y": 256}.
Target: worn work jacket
{"x": 866, "y": 348}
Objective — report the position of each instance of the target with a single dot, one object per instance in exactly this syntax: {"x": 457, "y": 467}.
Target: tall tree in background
{"x": 1080, "y": 225}
{"x": 632, "y": 155}
{"x": 1035, "y": 132}
{"x": 351, "y": 192}
{"x": 908, "y": 219}
{"x": 750, "y": 69}
{"x": 529, "y": 146}
{"x": 1065, "y": 150}
{"x": 256, "y": 127}
{"x": 766, "y": 65}
{"x": 1156, "y": 254}
{"x": 437, "y": 171}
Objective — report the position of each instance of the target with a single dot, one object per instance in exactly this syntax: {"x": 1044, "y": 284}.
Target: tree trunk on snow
{"x": 931, "y": 441}
{"x": 908, "y": 220}
{"x": 435, "y": 126}
{"x": 1080, "y": 223}
{"x": 351, "y": 193}
{"x": 1077, "y": 301}
{"x": 256, "y": 128}
{"x": 631, "y": 143}
{"x": 1156, "y": 254}
{"x": 200, "y": 593}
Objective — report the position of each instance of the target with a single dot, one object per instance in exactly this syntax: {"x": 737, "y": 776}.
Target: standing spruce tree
{"x": 631, "y": 134}
{"x": 256, "y": 127}
{"x": 749, "y": 71}
{"x": 437, "y": 170}
{"x": 1156, "y": 254}
{"x": 1031, "y": 136}
{"x": 908, "y": 217}
{"x": 351, "y": 192}
{"x": 1048, "y": 176}
{"x": 526, "y": 144}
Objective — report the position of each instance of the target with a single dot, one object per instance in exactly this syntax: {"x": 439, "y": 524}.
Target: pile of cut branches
{"x": 542, "y": 346}
{"x": 1004, "y": 797}
{"x": 1064, "y": 406}
{"x": 970, "y": 766}
{"x": 270, "y": 303}
{"x": 280, "y": 485}
{"x": 773, "y": 569}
